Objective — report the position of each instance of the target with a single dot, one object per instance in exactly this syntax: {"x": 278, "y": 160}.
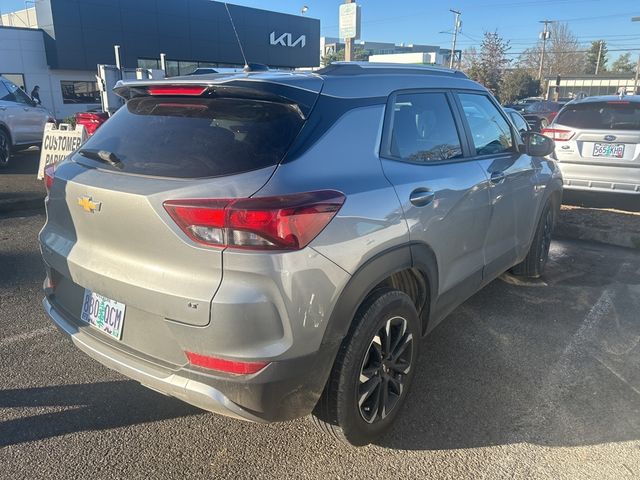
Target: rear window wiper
{"x": 103, "y": 156}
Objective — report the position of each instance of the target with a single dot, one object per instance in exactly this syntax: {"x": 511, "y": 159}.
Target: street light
{"x": 304, "y": 9}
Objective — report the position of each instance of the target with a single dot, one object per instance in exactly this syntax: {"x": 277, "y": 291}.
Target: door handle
{"x": 421, "y": 197}
{"x": 26, "y": 109}
{"x": 497, "y": 177}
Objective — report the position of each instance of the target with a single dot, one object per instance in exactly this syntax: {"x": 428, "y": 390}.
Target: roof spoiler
{"x": 265, "y": 91}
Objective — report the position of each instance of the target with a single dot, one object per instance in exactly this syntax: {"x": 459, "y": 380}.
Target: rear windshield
{"x": 614, "y": 115}
{"x": 195, "y": 137}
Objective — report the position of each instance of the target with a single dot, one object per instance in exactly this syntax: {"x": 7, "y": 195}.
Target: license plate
{"x": 615, "y": 150}
{"x": 103, "y": 313}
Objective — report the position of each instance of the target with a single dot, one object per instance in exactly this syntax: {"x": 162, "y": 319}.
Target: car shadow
{"x": 21, "y": 268}
{"x": 84, "y": 407}
{"x": 553, "y": 364}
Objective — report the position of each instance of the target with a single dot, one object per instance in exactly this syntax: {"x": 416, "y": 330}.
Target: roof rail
{"x": 372, "y": 68}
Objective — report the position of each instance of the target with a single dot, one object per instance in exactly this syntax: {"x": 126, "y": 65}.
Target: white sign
{"x": 58, "y": 143}
{"x": 286, "y": 40}
{"x": 350, "y": 20}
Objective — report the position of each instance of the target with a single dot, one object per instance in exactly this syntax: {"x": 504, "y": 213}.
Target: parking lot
{"x": 533, "y": 380}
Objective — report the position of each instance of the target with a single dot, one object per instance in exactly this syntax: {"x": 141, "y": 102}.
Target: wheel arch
{"x": 411, "y": 268}
{"x": 5, "y": 127}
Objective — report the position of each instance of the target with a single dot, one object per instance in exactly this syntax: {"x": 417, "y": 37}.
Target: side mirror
{"x": 537, "y": 145}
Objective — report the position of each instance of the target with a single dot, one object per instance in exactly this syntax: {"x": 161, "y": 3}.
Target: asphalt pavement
{"x": 533, "y": 380}
{"x": 19, "y": 187}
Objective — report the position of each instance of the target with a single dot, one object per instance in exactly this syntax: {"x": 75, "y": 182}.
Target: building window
{"x": 79, "y": 92}
{"x": 152, "y": 63}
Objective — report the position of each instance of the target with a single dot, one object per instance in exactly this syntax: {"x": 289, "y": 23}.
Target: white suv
{"x": 21, "y": 120}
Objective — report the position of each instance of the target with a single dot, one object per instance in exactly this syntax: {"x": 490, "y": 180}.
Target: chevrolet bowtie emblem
{"x": 89, "y": 205}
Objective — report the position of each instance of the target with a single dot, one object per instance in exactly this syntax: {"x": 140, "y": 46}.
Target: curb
{"x": 16, "y": 204}
{"x": 616, "y": 228}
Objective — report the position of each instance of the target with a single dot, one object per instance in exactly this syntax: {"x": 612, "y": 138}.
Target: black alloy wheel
{"x": 385, "y": 366}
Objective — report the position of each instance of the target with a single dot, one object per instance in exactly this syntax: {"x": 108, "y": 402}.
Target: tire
{"x": 5, "y": 148}
{"x": 357, "y": 370}
{"x": 533, "y": 264}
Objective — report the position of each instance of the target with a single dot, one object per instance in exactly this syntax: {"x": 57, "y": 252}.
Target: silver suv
{"x": 598, "y": 144}
{"x": 21, "y": 120}
{"x": 267, "y": 245}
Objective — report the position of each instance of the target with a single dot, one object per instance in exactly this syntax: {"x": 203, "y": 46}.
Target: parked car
{"x": 518, "y": 120}
{"x": 248, "y": 244}
{"x": 21, "y": 121}
{"x": 521, "y": 104}
{"x": 598, "y": 144}
{"x": 540, "y": 114}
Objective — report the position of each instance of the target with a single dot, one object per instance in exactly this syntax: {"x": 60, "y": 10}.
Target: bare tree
{"x": 564, "y": 55}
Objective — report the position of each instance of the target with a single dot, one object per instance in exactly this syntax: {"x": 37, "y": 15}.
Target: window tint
{"x": 614, "y": 115}
{"x": 490, "y": 131}
{"x": 423, "y": 129}
{"x": 520, "y": 122}
{"x": 13, "y": 94}
{"x": 196, "y": 137}
{"x": 4, "y": 93}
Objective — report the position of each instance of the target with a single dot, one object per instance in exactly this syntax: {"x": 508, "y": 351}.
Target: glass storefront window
{"x": 148, "y": 63}
{"x": 79, "y": 91}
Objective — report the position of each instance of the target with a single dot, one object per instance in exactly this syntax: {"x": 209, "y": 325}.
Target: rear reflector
{"x": 557, "y": 134}
{"x": 288, "y": 222}
{"x": 194, "y": 90}
{"x": 228, "y": 366}
{"x": 49, "y": 174}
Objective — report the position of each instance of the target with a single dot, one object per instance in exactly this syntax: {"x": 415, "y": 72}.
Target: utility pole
{"x": 599, "y": 56}
{"x": 348, "y": 43}
{"x": 456, "y": 28}
{"x": 635, "y": 83}
{"x": 544, "y": 35}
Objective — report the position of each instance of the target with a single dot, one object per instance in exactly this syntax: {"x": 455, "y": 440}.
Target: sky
{"x": 422, "y": 21}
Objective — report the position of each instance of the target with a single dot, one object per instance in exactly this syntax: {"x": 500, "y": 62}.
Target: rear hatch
{"x": 598, "y": 133}
{"x": 107, "y": 230}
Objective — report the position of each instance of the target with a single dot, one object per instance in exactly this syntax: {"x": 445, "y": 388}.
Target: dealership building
{"x": 57, "y": 44}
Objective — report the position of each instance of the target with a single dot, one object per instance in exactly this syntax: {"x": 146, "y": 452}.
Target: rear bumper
{"x": 282, "y": 391}
{"x": 600, "y": 178}
{"x": 601, "y": 186}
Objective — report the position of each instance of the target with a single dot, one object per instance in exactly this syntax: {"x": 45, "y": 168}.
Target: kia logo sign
{"x": 609, "y": 138}
{"x": 286, "y": 40}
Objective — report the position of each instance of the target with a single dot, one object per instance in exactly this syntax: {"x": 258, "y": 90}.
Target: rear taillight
{"x": 49, "y": 174}
{"x": 557, "y": 134}
{"x": 551, "y": 116}
{"x": 91, "y": 121}
{"x": 286, "y": 222}
{"x": 222, "y": 365}
{"x": 194, "y": 90}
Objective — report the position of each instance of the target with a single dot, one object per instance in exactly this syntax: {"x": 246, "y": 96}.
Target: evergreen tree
{"x": 623, "y": 64}
{"x": 517, "y": 83}
{"x": 591, "y": 60}
{"x": 491, "y": 62}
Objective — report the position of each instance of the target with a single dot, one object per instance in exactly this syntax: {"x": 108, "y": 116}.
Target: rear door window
{"x": 612, "y": 115}
{"x": 195, "y": 137}
{"x": 423, "y": 129}
{"x": 490, "y": 131}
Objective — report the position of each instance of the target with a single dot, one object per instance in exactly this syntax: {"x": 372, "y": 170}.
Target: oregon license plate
{"x": 103, "y": 313}
{"x": 615, "y": 150}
